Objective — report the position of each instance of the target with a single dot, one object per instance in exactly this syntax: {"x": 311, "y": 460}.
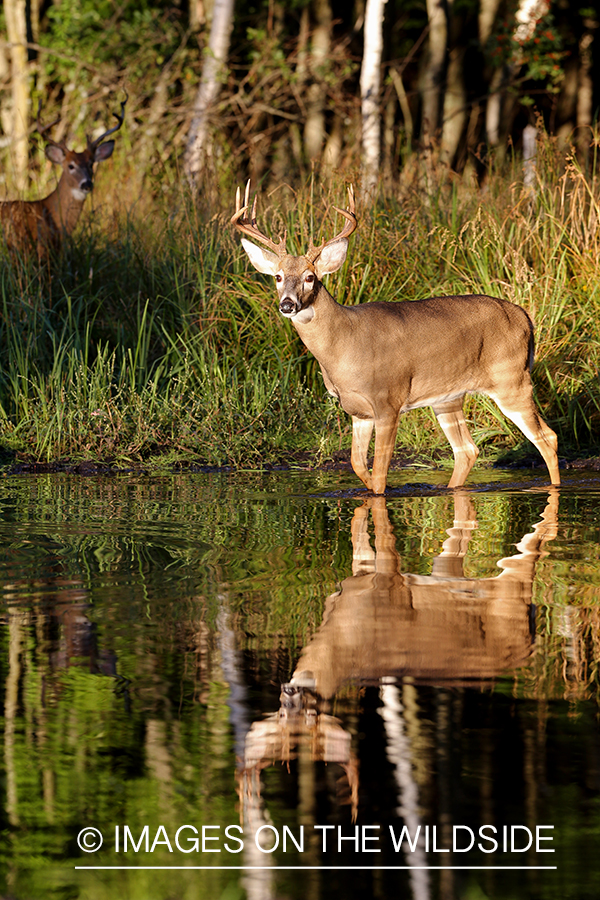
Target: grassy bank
{"x": 152, "y": 340}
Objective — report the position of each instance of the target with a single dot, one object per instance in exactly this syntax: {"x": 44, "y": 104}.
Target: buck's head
{"x": 77, "y": 179}
{"x": 298, "y": 278}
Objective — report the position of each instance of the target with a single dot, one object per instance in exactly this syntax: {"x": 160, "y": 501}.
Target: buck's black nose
{"x": 287, "y": 307}
{"x": 86, "y": 186}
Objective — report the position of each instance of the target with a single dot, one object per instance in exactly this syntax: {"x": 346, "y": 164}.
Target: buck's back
{"x": 477, "y": 328}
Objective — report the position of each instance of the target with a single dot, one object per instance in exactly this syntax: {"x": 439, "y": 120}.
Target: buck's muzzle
{"x": 288, "y": 307}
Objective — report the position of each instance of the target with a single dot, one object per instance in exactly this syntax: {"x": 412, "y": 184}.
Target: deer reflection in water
{"x": 439, "y": 626}
{"x": 385, "y": 624}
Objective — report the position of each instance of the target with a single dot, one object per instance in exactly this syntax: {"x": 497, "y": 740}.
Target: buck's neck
{"x": 326, "y": 326}
{"x": 65, "y": 208}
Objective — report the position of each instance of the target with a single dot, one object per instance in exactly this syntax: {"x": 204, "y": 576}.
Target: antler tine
{"x": 249, "y": 226}
{"x": 42, "y": 129}
{"x": 349, "y": 213}
{"x": 350, "y": 226}
{"x": 120, "y": 117}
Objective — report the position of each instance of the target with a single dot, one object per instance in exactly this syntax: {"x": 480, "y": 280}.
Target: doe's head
{"x": 78, "y": 167}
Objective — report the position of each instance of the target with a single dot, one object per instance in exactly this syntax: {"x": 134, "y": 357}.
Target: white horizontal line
{"x": 328, "y": 868}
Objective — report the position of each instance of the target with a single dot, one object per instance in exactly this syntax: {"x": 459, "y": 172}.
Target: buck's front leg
{"x": 385, "y": 439}
{"x": 363, "y": 555}
{"x": 362, "y": 429}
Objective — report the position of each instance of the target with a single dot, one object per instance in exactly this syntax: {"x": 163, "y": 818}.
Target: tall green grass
{"x": 152, "y": 339}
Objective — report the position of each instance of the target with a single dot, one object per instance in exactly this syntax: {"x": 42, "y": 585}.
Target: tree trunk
{"x": 455, "y": 96}
{"x": 16, "y": 27}
{"x": 566, "y": 102}
{"x": 34, "y": 20}
{"x": 370, "y": 82}
{"x": 390, "y": 132}
{"x": 527, "y": 17}
{"x": 485, "y": 21}
{"x": 405, "y": 107}
{"x": 333, "y": 148}
{"x": 200, "y": 14}
{"x": 455, "y": 107}
{"x": 494, "y": 107}
{"x": 500, "y": 104}
{"x": 314, "y": 127}
{"x": 198, "y": 145}
{"x": 529, "y": 156}
{"x": 436, "y": 64}
{"x": 585, "y": 92}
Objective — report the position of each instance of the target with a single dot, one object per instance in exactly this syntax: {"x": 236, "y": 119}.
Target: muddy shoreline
{"x": 305, "y": 461}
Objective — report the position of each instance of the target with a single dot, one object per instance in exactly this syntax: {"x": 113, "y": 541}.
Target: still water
{"x": 267, "y": 686}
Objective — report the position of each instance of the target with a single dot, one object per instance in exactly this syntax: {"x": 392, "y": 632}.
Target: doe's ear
{"x": 332, "y": 257}
{"x": 266, "y": 262}
{"x": 104, "y": 151}
{"x": 55, "y": 154}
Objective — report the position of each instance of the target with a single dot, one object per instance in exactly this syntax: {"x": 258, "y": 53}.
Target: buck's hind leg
{"x": 452, "y": 421}
{"x": 362, "y": 429}
{"x": 523, "y": 412}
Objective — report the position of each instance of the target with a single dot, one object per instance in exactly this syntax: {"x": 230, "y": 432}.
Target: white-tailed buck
{"x": 381, "y": 359}
{"x": 43, "y": 223}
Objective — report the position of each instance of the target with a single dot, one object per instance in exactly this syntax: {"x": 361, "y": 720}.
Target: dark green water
{"x": 440, "y": 660}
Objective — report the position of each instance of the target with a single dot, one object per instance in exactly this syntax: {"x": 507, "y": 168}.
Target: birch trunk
{"x": 16, "y": 27}
{"x": 529, "y": 156}
{"x": 485, "y": 20}
{"x": 198, "y": 145}
{"x": 500, "y": 106}
{"x": 370, "y": 84}
{"x": 494, "y": 108}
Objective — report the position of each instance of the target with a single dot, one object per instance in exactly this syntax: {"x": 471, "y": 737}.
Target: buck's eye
{"x": 279, "y": 279}
{"x": 71, "y": 167}
{"x": 309, "y": 279}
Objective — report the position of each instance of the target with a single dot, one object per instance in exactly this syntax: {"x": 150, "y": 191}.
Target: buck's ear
{"x": 55, "y": 154}
{"x": 266, "y": 262}
{"x": 104, "y": 151}
{"x": 332, "y": 257}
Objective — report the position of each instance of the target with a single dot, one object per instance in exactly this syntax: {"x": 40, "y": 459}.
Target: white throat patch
{"x": 304, "y": 316}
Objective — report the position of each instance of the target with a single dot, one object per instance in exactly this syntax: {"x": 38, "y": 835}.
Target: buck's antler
{"x": 120, "y": 117}
{"x": 248, "y": 226}
{"x": 313, "y": 252}
{"x": 42, "y": 129}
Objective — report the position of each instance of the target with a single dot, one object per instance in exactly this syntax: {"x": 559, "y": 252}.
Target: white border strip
{"x": 327, "y": 868}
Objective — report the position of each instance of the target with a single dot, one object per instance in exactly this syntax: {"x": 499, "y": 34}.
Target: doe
{"x": 381, "y": 359}
{"x": 44, "y": 223}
